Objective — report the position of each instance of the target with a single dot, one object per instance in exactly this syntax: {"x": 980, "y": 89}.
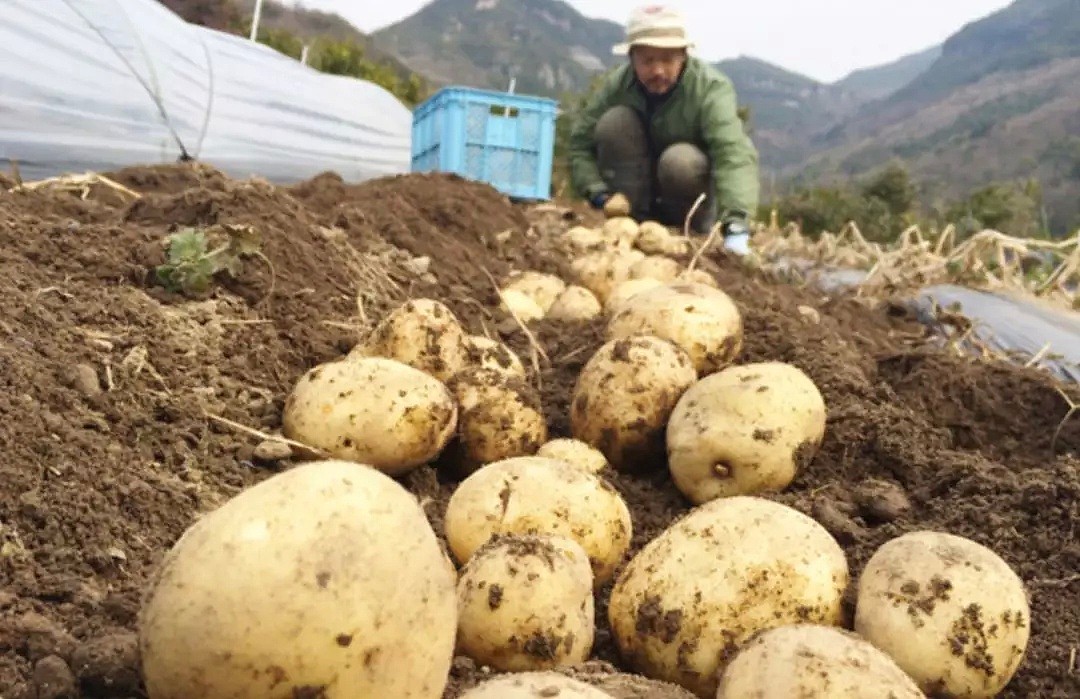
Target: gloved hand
{"x": 734, "y": 224}
{"x": 599, "y": 199}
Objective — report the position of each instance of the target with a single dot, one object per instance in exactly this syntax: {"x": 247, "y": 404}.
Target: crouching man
{"x": 662, "y": 130}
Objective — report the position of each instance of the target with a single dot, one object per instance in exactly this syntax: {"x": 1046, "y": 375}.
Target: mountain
{"x": 1002, "y": 101}
{"x": 546, "y": 45}
{"x": 881, "y": 81}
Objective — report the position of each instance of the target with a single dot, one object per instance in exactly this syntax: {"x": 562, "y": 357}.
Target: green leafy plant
{"x": 191, "y": 264}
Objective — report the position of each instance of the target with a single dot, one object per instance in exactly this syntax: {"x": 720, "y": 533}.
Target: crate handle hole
{"x": 496, "y": 110}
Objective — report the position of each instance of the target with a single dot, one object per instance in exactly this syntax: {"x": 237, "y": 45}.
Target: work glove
{"x": 734, "y": 224}
{"x": 599, "y": 199}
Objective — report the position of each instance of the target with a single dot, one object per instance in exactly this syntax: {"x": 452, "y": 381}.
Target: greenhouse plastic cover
{"x": 1006, "y": 323}
{"x": 95, "y": 85}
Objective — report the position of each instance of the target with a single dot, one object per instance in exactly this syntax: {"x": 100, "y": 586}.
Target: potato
{"x": 372, "y": 410}
{"x": 526, "y": 603}
{"x": 422, "y": 333}
{"x": 521, "y": 305}
{"x": 698, "y": 276}
{"x": 617, "y": 205}
{"x": 534, "y": 685}
{"x": 702, "y": 320}
{"x": 581, "y": 238}
{"x": 623, "y": 397}
{"x": 624, "y": 291}
{"x": 538, "y": 495}
{"x": 499, "y": 416}
{"x": 623, "y": 685}
{"x": 621, "y": 231}
{"x": 657, "y": 267}
{"x": 694, "y": 594}
{"x": 575, "y": 452}
{"x": 948, "y": 610}
{"x": 485, "y": 353}
{"x": 321, "y": 578}
{"x": 745, "y": 430}
{"x": 574, "y": 304}
{"x": 540, "y": 287}
{"x": 600, "y": 272}
{"x": 808, "y": 660}
{"x": 653, "y": 238}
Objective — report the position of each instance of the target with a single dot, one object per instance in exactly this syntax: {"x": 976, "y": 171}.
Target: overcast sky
{"x": 824, "y": 39}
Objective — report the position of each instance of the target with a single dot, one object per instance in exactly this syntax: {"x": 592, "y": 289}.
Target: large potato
{"x": 526, "y": 603}
{"x": 423, "y": 333}
{"x": 317, "y": 580}
{"x": 693, "y": 595}
{"x": 499, "y": 416}
{"x": 485, "y": 353}
{"x": 744, "y": 430}
{"x": 575, "y": 303}
{"x": 949, "y": 611}
{"x": 538, "y": 495}
{"x": 534, "y": 685}
{"x": 600, "y": 272}
{"x": 373, "y": 410}
{"x": 575, "y": 452}
{"x": 624, "y": 291}
{"x": 817, "y": 662}
{"x": 658, "y": 267}
{"x": 701, "y": 319}
{"x": 540, "y": 287}
{"x": 624, "y": 396}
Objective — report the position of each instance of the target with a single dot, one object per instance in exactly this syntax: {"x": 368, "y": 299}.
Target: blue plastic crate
{"x": 503, "y": 139}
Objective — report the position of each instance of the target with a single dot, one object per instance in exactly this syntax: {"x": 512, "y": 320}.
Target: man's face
{"x": 657, "y": 68}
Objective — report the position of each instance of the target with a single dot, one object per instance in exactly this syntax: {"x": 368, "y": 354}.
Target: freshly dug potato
{"x": 623, "y": 685}
{"x": 621, "y": 231}
{"x": 617, "y": 205}
{"x": 576, "y": 452}
{"x": 423, "y": 333}
{"x": 653, "y": 238}
{"x": 582, "y": 238}
{"x": 745, "y": 430}
{"x": 813, "y": 661}
{"x": 695, "y": 593}
{"x": 485, "y": 353}
{"x": 626, "y": 290}
{"x": 518, "y": 303}
{"x": 323, "y": 576}
{"x": 372, "y": 410}
{"x": 657, "y": 267}
{"x": 537, "y": 495}
{"x": 704, "y": 321}
{"x": 540, "y": 287}
{"x": 534, "y": 685}
{"x": 948, "y": 610}
{"x": 574, "y": 304}
{"x": 499, "y": 416}
{"x": 600, "y": 272}
{"x": 526, "y": 603}
{"x": 698, "y": 276}
{"x": 624, "y": 396}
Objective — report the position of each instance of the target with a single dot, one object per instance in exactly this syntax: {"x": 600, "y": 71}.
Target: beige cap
{"x": 655, "y": 25}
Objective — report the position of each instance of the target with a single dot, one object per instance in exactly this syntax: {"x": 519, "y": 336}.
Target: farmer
{"x": 663, "y": 129}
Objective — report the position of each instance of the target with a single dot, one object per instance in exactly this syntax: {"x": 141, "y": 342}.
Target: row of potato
{"x": 329, "y": 577}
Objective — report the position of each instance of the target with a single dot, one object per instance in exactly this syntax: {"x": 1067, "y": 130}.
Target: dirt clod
{"x": 108, "y": 382}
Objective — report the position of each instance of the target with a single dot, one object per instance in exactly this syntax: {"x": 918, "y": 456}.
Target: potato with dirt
{"x": 702, "y": 320}
{"x": 542, "y": 288}
{"x": 538, "y": 495}
{"x": 688, "y": 601}
{"x": 322, "y": 577}
{"x": 658, "y": 267}
{"x": 575, "y": 452}
{"x": 534, "y": 685}
{"x": 624, "y": 396}
{"x": 525, "y": 602}
{"x": 950, "y": 611}
{"x": 656, "y": 239}
{"x": 583, "y": 239}
{"x": 423, "y": 333}
{"x": 600, "y": 272}
{"x": 499, "y": 416}
{"x": 485, "y": 353}
{"x": 520, "y": 305}
{"x": 575, "y": 304}
{"x": 624, "y": 291}
{"x": 810, "y": 660}
{"x": 371, "y": 410}
{"x": 620, "y": 231}
{"x": 745, "y": 430}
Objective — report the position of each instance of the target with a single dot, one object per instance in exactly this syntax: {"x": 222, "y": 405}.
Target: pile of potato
{"x": 328, "y": 579}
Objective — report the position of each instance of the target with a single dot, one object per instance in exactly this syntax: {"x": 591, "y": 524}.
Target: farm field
{"x": 129, "y": 410}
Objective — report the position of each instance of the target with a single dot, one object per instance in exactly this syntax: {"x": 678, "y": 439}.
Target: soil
{"x": 126, "y": 411}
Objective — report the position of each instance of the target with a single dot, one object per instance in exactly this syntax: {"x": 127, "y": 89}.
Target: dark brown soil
{"x": 114, "y": 395}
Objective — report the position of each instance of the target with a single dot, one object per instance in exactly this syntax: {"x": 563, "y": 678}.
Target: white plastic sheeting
{"x": 102, "y": 84}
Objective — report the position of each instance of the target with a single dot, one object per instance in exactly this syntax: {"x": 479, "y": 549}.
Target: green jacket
{"x": 701, "y": 110}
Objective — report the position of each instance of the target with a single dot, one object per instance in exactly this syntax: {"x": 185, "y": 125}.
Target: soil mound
{"x": 127, "y": 410}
